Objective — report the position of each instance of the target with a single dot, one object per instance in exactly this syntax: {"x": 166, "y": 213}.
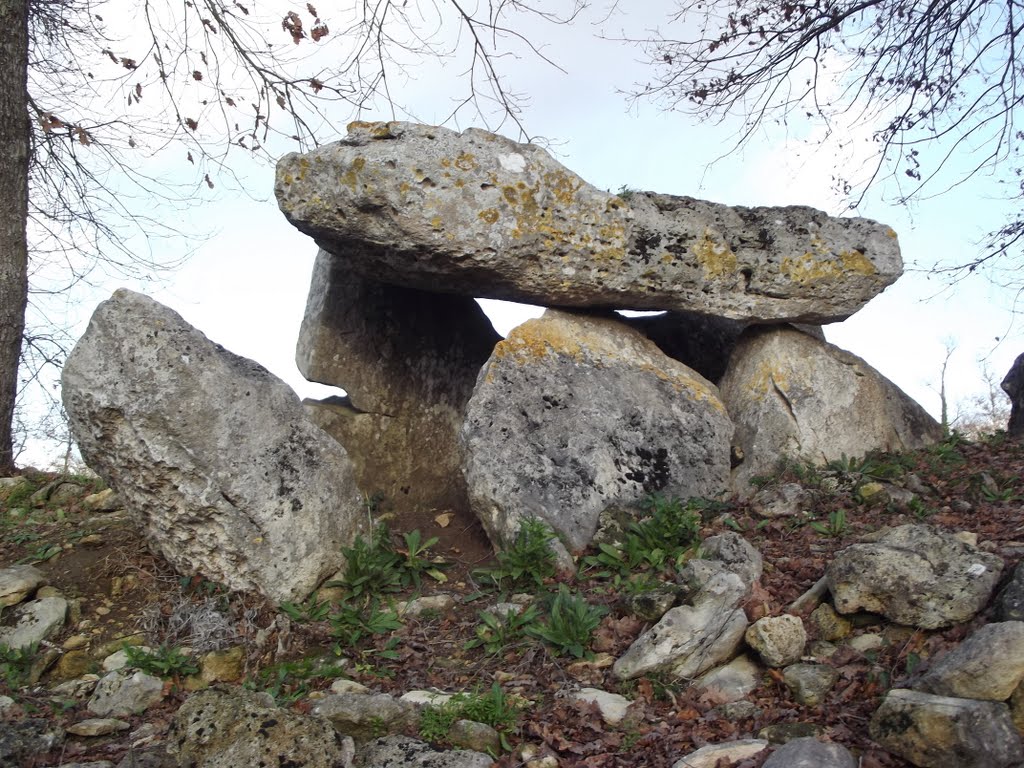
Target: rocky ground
{"x": 523, "y": 677}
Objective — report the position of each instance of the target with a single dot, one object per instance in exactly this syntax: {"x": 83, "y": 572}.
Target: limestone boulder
{"x": 691, "y": 639}
{"x": 778, "y": 640}
{"x": 406, "y": 752}
{"x": 790, "y": 394}
{"x": 915, "y": 575}
{"x": 408, "y": 361}
{"x": 808, "y": 752}
{"x": 574, "y": 414}
{"x": 988, "y": 665}
{"x": 481, "y": 215}
{"x": 17, "y": 582}
{"x": 945, "y": 732}
{"x": 236, "y": 728}
{"x": 211, "y": 451}
{"x": 32, "y": 622}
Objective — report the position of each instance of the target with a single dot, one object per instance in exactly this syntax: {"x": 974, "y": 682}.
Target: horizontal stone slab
{"x": 478, "y": 214}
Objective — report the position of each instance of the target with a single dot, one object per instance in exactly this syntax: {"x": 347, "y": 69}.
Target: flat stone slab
{"x": 481, "y": 215}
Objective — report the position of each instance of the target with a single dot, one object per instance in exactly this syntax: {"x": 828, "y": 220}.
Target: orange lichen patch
{"x": 376, "y": 129}
{"x": 510, "y": 195}
{"x": 890, "y": 232}
{"x": 490, "y": 215}
{"x": 459, "y": 183}
{"x": 466, "y": 162}
{"x": 563, "y": 186}
{"x": 809, "y": 268}
{"x": 717, "y": 259}
{"x": 350, "y": 178}
{"x": 436, "y": 222}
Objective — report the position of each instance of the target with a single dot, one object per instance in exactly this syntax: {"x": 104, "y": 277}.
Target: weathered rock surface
{"x": 1010, "y": 603}
{"x": 18, "y": 582}
{"x": 408, "y": 361}
{"x": 736, "y": 554}
{"x": 211, "y": 451}
{"x": 778, "y": 640}
{"x": 790, "y": 394}
{"x": 691, "y": 639}
{"x": 810, "y": 753}
{"x": 364, "y": 715}
{"x": 404, "y": 752}
{"x": 943, "y": 732}
{"x": 809, "y": 683}
{"x": 33, "y": 622}
{"x": 915, "y": 575}
{"x": 125, "y": 692}
{"x": 709, "y": 755}
{"x": 733, "y": 681}
{"x": 479, "y": 214}
{"x": 238, "y": 729}
{"x": 573, "y": 414}
{"x": 612, "y": 706}
{"x": 988, "y": 665}
{"x": 24, "y": 741}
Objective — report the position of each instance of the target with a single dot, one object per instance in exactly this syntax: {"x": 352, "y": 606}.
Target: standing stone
{"x": 481, "y": 215}
{"x": 790, "y": 394}
{"x": 914, "y": 575}
{"x": 210, "y": 450}
{"x": 574, "y": 414}
{"x": 1013, "y": 385}
{"x": 408, "y": 361}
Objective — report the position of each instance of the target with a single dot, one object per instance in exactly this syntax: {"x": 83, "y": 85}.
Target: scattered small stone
{"x": 98, "y": 726}
{"x": 121, "y": 693}
{"x": 710, "y": 755}
{"x": 778, "y": 640}
{"x": 420, "y": 698}
{"x": 474, "y": 736}
{"x": 103, "y": 501}
{"x": 405, "y": 752}
{"x": 733, "y": 681}
{"x": 828, "y": 624}
{"x": 18, "y": 582}
{"x": 786, "y": 500}
{"x": 866, "y": 643}
{"x": 421, "y": 605}
{"x": 873, "y": 494}
{"x": 612, "y": 706}
{"x": 75, "y": 642}
{"x": 739, "y": 710}
{"x": 810, "y": 753}
{"x": 5, "y": 703}
{"x": 92, "y": 540}
{"x": 809, "y": 683}
{"x": 34, "y": 622}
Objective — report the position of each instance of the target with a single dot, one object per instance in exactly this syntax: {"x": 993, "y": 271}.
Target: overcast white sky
{"x": 245, "y": 285}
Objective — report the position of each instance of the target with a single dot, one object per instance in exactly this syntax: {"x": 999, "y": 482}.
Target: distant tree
{"x": 939, "y": 84}
{"x": 89, "y": 96}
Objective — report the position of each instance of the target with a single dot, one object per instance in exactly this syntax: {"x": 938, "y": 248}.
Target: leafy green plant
{"x": 41, "y": 553}
{"x": 374, "y": 566}
{"x": 836, "y": 525}
{"x": 625, "y": 193}
{"x": 351, "y": 624}
{"x": 166, "y": 661}
{"x": 528, "y": 560}
{"x": 570, "y": 624}
{"x": 310, "y": 611}
{"x": 289, "y": 681}
{"x": 919, "y": 509}
{"x": 496, "y": 633}
{"x": 16, "y": 664}
{"x": 492, "y": 708}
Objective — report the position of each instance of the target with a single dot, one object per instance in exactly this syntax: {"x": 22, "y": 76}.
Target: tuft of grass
{"x": 166, "y": 661}
{"x": 492, "y": 708}
{"x": 528, "y": 561}
{"x": 570, "y": 624}
{"x": 16, "y": 664}
{"x": 835, "y": 527}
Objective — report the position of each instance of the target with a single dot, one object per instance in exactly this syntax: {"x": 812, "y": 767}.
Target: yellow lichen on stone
{"x": 717, "y": 259}
{"x": 510, "y": 195}
{"x": 490, "y": 215}
{"x": 808, "y": 268}
{"x": 466, "y": 162}
{"x": 351, "y": 177}
{"x": 563, "y": 186}
{"x": 376, "y": 129}
{"x": 436, "y": 222}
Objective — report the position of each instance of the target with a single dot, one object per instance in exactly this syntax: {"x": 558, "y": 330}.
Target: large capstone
{"x": 481, "y": 215}
{"x": 575, "y": 414}
{"x": 210, "y": 450}
{"x": 790, "y": 394}
{"x": 408, "y": 361}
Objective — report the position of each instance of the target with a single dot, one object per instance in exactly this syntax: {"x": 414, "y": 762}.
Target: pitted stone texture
{"x": 211, "y": 450}
{"x": 778, "y": 640}
{"x": 988, "y": 665}
{"x": 915, "y": 575}
{"x": 408, "y": 361}
{"x": 405, "y": 752}
{"x": 790, "y": 394}
{"x": 943, "y": 732}
{"x": 363, "y": 716}
{"x": 573, "y": 414}
{"x": 736, "y": 553}
{"x": 481, "y": 215}
{"x": 691, "y": 639}
{"x": 125, "y": 692}
{"x": 236, "y": 728}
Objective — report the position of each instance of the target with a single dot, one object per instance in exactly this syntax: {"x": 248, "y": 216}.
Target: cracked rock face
{"x": 481, "y": 215}
{"x": 210, "y": 450}
{"x": 790, "y": 394}
{"x": 408, "y": 361}
{"x": 573, "y": 414}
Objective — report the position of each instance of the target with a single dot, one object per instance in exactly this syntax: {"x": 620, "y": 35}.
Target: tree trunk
{"x": 14, "y": 155}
